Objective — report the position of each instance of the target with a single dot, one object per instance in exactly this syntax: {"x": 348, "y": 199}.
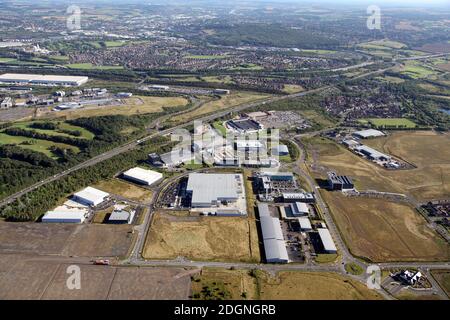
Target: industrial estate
{"x": 191, "y": 162}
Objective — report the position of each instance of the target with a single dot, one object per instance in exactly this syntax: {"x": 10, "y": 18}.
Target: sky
{"x": 385, "y": 3}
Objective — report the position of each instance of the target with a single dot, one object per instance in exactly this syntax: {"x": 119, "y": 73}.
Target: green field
{"x": 416, "y": 70}
{"x": 86, "y": 134}
{"x": 35, "y": 144}
{"x": 392, "y": 122}
{"x": 114, "y": 44}
{"x": 382, "y": 45}
{"x": 60, "y": 58}
{"x": 219, "y": 127}
{"x": 7, "y": 60}
{"x": 90, "y": 66}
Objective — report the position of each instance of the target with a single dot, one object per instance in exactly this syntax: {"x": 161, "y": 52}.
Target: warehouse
{"x": 297, "y": 197}
{"x": 299, "y": 209}
{"x": 279, "y": 176}
{"x": 176, "y": 158}
{"x": 48, "y": 80}
{"x": 280, "y": 150}
{"x": 275, "y": 251}
{"x": 369, "y": 133}
{"x": 90, "y": 196}
{"x": 142, "y": 176}
{"x": 268, "y": 182}
{"x": 208, "y": 190}
{"x": 271, "y": 228}
{"x": 65, "y": 215}
{"x": 263, "y": 209}
{"x": 350, "y": 143}
{"x": 274, "y": 245}
{"x": 305, "y": 224}
{"x": 327, "y": 240}
{"x": 121, "y": 217}
{"x": 372, "y": 154}
{"x": 244, "y": 125}
{"x": 336, "y": 182}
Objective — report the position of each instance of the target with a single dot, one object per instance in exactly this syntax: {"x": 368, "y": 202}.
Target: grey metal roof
{"x": 305, "y": 223}
{"x": 176, "y": 157}
{"x": 263, "y": 209}
{"x": 271, "y": 228}
{"x": 369, "y": 133}
{"x": 327, "y": 240}
{"x": 374, "y": 153}
{"x": 119, "y": 216}
{"x": 275, "y": 250}
{"x": 207, "y": 188}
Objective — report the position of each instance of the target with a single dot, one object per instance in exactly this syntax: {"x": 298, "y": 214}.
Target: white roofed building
{"x": 369, "y": 133}
{"x": 305, "y": 224}
{"x": 274, "y": 245}
{"x": 299, "y": 209}
{"x": 249, "y": 145}
{"x": 271, "y": 228}
{"x": 65, "y": 215}
{"x": 90, "y": 196}
{"x": 142, "y": 176}
{"x": 37, "y": 79}
{"x": 263, "y": 210}
{"x": 275, "y": 251}
{"x": 327, "y": 240}
{"x": 210, "y": 189}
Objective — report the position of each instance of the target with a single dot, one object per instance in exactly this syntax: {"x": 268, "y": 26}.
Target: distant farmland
{"x": 392, "y": 123}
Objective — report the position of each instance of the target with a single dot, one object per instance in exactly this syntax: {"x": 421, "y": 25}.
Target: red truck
{"x": 101, "y": 262}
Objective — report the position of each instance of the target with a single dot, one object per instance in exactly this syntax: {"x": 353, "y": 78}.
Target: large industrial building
{"x": 142, "y": 176}
{"x": 65, "y": 215}
{"x": 274, "y": 245}
{"x": 263, "y": 210}
{"x": 372, "y": 154}
{"x": 175, "y": 158}
{"x": 299, "y": 209}
{"x": 305, "y": 224}
{"x": 268, "y": 182}
{"x": 298, "y": 197}
{"x": 209, "y": 190}
{"x": 37, "y": 79}
{"x": 327, "y": 240}
{"x": 336, "y": 182}
{"x": 244, "y": 125}
{"x": 121, "y": 217}
{"x": 90, "y": 196}
{"x": 369, "y": 133}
